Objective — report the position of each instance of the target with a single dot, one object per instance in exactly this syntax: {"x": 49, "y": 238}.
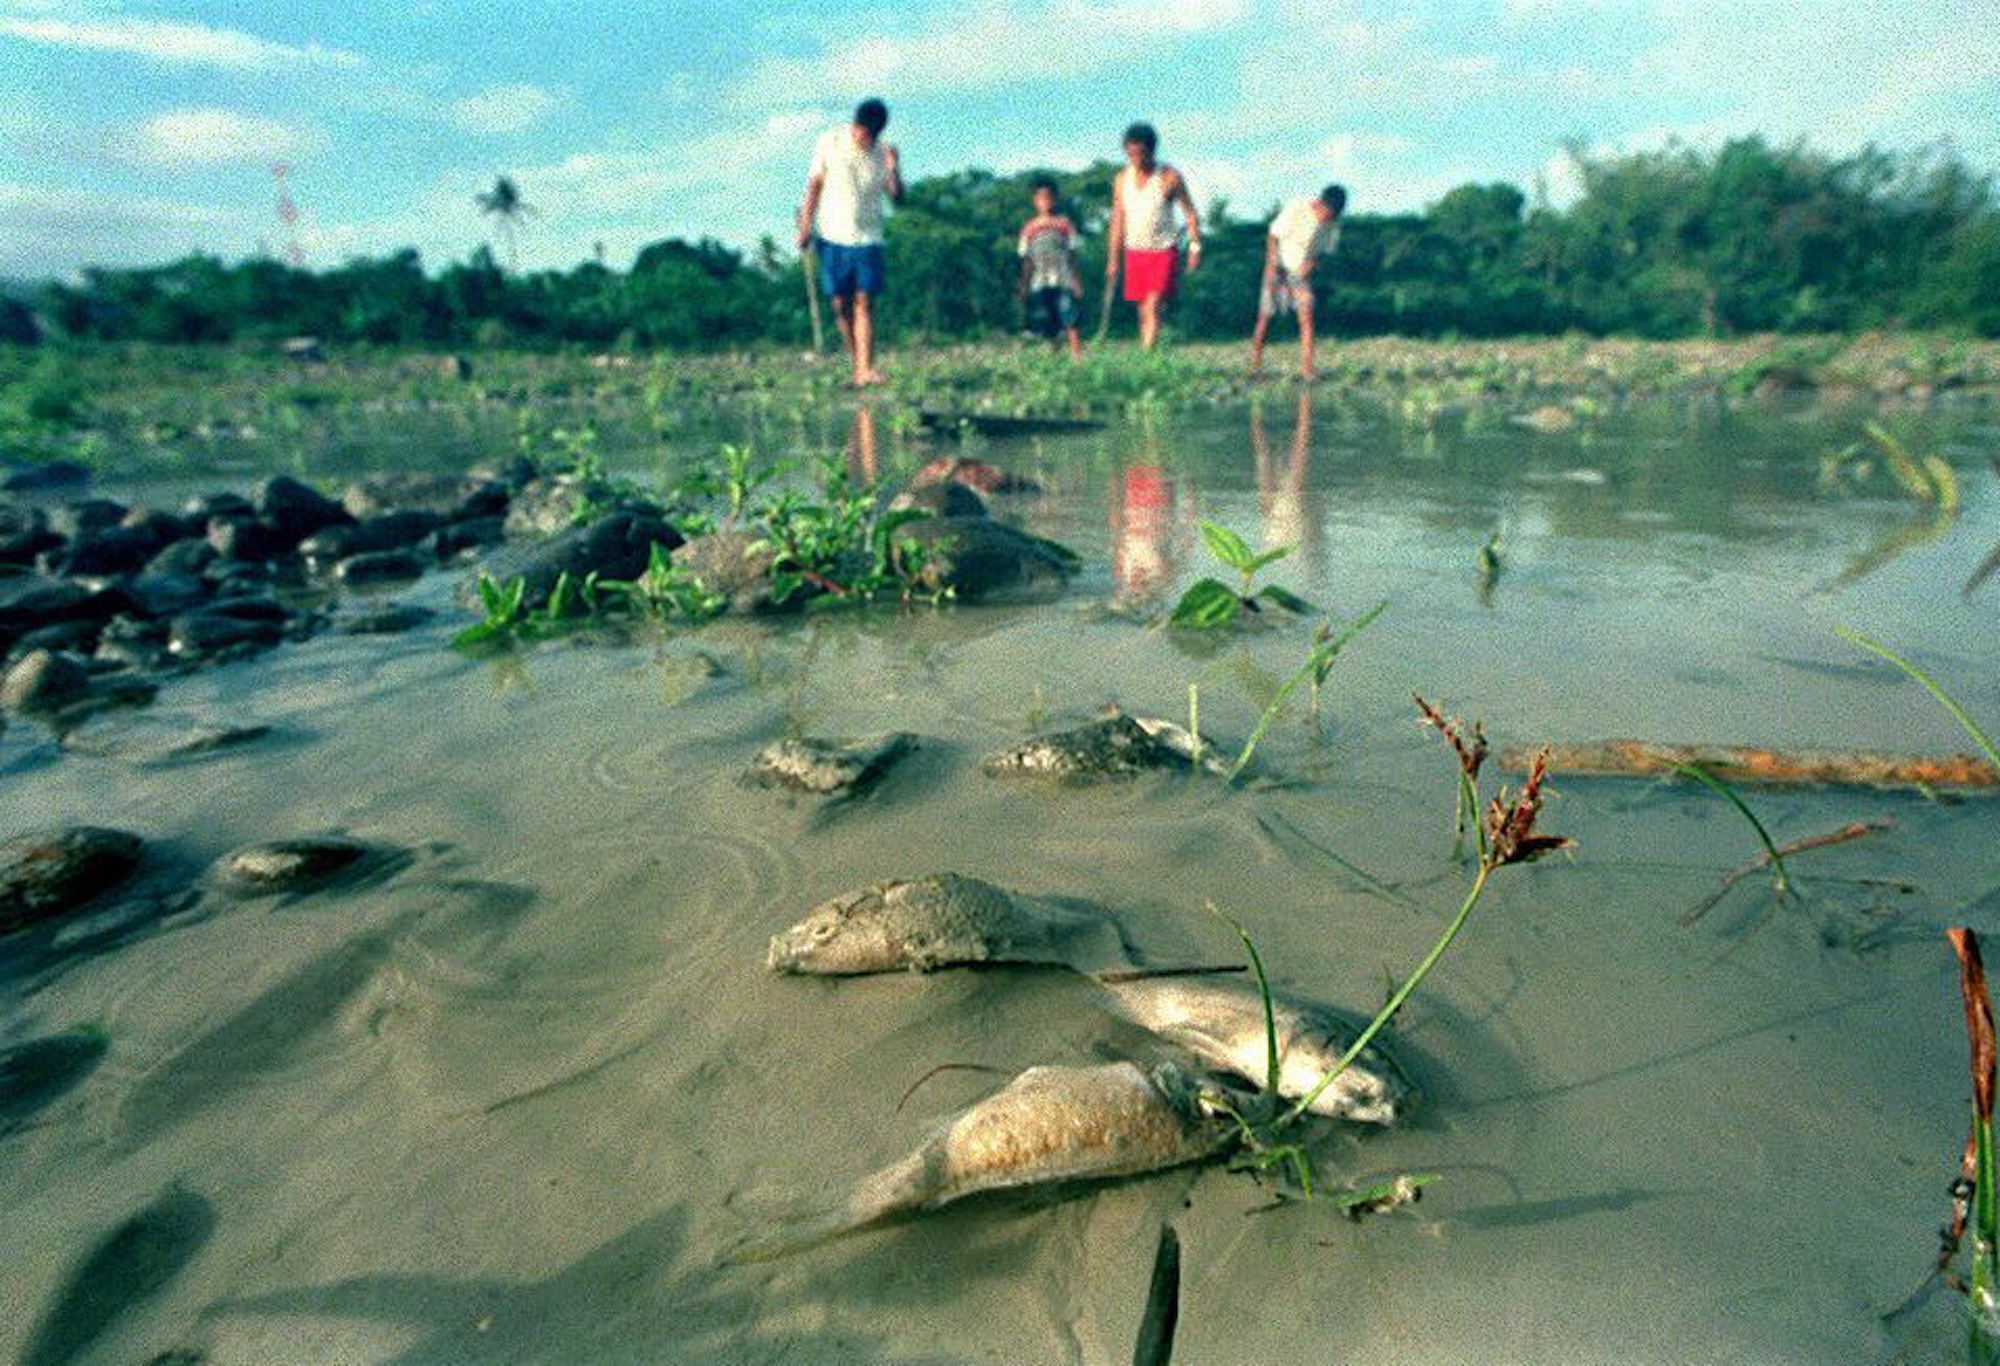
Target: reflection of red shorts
{"x": 1150, "y": 272}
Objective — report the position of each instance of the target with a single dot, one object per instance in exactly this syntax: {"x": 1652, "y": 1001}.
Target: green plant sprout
{"x": 1781, "y": 881}
{"x": 1976, "y": 1192}
{"x": 1210, "y": 604}
{"x": 1326, "y": 647}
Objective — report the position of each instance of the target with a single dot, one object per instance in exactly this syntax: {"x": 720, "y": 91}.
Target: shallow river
{"x": 510, "y": 1099}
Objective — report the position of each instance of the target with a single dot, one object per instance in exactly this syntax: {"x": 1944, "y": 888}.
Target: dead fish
{"x": 1222, "y": 1023}
{"x": 933, "y": 922}
{"x": 1119, "y": 746}
{"x": 825, "y": 767}
{"x": 1047, "y": 1125}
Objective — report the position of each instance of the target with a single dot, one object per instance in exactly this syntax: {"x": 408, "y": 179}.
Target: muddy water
{"x": 507, "y": 1100}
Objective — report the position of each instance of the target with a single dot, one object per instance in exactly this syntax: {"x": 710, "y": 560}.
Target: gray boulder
{"x": 43, "y": 683}
{"x": 296, "y": 510}
{"x": 617, "y": 546}
{"x": 828, "y": 767}
{"x": 293, "y": 865}
{"x": 448, "y": 497}
{"x": 378, "y": 566}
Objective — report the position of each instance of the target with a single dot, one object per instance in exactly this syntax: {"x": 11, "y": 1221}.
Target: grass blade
{"x": 1264, "y": 992}
{"x": 1950, "y": 703}
{"x": 1781, "y": 881}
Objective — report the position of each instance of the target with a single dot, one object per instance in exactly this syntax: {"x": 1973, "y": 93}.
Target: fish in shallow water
{"x": 937, "y": 921}
{"x": 1047, "y": 1125}
{"x": 1222, "y": 1023}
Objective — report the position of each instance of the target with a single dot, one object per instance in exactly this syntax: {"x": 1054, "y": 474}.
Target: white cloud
{"x": 503, "y": 108}
{"x": 189, "y": 44}
{"x": 990, "y": 46}
{"x": 208, "y": 137}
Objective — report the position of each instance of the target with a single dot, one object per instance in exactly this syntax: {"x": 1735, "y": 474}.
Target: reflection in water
{"x": 1286, "y": 516}
{"x": 1142, "y": 526}
{"x": 862, "y": 466}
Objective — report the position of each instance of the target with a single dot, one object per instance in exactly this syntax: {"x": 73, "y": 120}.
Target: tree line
{"x": 1751, "y": 237}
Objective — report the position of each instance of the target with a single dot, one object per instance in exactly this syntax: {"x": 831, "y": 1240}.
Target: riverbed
{"x": 511, "y": 1097}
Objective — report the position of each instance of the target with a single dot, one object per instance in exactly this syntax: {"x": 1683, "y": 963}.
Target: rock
{"x": 286, "y": 865}
{"x": 50, "y": 872}
{"x": 86, "y": 517}
{"x": 1778, "y": 381}
{"x": 166, "y": 527}
{"x": 729, "y": 563}
{"x": 378, "y": 566}
{"x": 616, "y": 546}
{"x": 117, "y": 550}
{"x": 204, "y": 508}
{"x": 54, "y": 474}
{"x": 75, "y": 637}
{"x": 940, "y": 500}
{"x": 553, "y": 503}
{"x": 450, "y": 497}
{"x": 475, "y": 533}
{"x": 24, "y": 533}
{"x": 975, "y": 557}
{"x": 826, "y": 767}
{"x": 43, "y": 683}
{"x": 200, "y": 635}
{"x": 166, "y": 594}
{"x": 1115, "y": 747}
{"x": 390, "y": 531}
{"x": 149, "y": 738}
{"x": 253, "y": 607}
{"x": 32, "y": 600}
{"x": 513, "y": 475}
{"x": 247, "y": 538}
{"x": 133, "y": 643}
{"x": 294, "y": 509}
{"x": 183, "y": 557}
{"x": 382, "y": 621}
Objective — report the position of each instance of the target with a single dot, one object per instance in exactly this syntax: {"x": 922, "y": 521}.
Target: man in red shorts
{"x": 1143, "y": 198}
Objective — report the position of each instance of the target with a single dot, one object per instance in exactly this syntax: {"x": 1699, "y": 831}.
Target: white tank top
{"x": 1149, "y": 214}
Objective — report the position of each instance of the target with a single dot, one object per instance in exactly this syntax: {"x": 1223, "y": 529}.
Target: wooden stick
{"x": 809, "y": 263}
{"x": 1852, "y": 831}
{"x": 1745, "y": 764}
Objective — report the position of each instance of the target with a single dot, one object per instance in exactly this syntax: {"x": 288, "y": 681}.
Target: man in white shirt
{"x": 1303, "y": 231}
{"x": 852, "y": 170}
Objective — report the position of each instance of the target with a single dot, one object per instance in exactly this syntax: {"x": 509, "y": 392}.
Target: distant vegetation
{"x": 1672, "y": 243}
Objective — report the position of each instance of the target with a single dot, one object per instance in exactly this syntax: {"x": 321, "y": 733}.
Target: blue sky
{"x": 131, "y": 132}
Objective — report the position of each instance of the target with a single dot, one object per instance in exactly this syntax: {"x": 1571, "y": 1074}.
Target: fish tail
{"x": 888, "y": 1192}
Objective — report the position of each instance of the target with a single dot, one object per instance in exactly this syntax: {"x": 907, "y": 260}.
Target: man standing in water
{"x": 852, "y": 169}
{"x": 1142, "y": 229}
{"x": 1303, "y": 231}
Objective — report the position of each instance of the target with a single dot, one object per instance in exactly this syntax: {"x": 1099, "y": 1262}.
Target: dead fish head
{"x": 846, "y": 935}
{"x": 1368, "y": 1092}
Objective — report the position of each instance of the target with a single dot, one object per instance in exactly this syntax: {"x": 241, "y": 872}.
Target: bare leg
{"x": 1075, "y": 344}
{"x": 843, "y": 317}
{"x": 1257, "y": 341}
{"x": 1149, "y": 321}
{"x": 1305, "y": 340}
{"x": 864, "y": 341}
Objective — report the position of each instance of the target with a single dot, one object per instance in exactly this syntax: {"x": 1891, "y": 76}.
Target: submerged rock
{"x": 205, "y": 634}
{"x": 287, "y": 865}
{"x": 938, "y": 921}
{"x": 618, "y": 546}
{"x": 826, "y": 767}
{"x": 393, "y": 619}
{"x": 1119, "y": 746}
{"x": 736, "y": 565}
{"x": 977, "y": 557}
{"x": 151, "y": 738}
{"x": 53, "y": 871}
{"x": 378, "y": 566}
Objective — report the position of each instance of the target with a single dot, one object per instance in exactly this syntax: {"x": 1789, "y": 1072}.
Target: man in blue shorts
{"x": 852, "y": 170}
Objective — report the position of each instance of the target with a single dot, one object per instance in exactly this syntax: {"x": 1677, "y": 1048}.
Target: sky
{"x": 134, "y": 131}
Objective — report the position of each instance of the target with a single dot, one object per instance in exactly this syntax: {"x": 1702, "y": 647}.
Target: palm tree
{"x": 504, "y": 202}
